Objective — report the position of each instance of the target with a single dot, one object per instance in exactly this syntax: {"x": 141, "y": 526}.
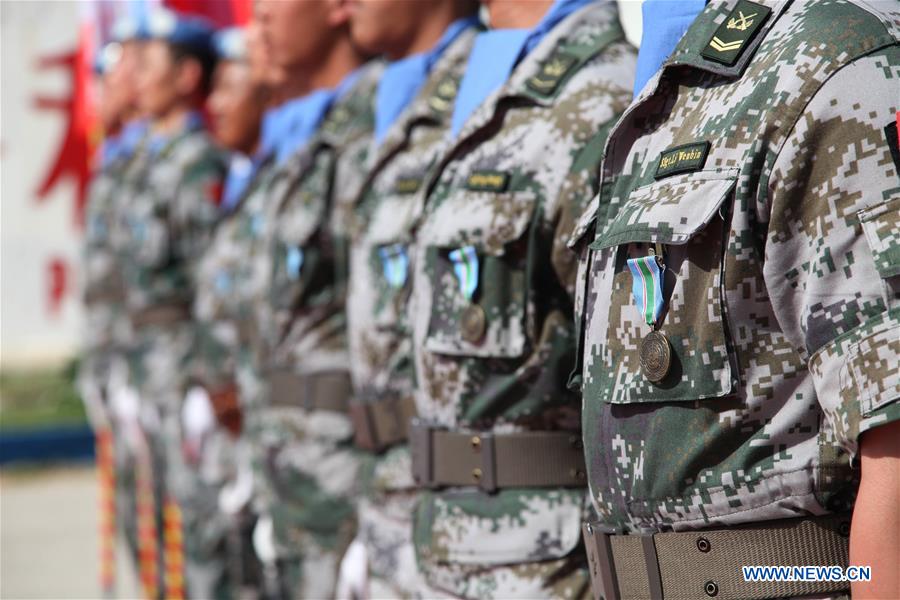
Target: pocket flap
{"x": 669, "y": 211}
{"x": 487, "y": 220}
{"x": 585, "y": 223}
{"x": 507, "y": 528}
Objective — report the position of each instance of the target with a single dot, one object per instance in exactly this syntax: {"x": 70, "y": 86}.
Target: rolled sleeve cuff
{"x": 857, "y": 378}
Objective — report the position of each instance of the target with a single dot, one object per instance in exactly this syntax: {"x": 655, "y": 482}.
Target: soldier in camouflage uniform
{"x": 414, "y": 102}
{"x": 173, "y": 187}
{"x": 738, "y": 294}
{"x": 491, "y": 299}
{"x": 236, "y": 107}
{"x": 108, "y": 328}
{"x": 304, "y": 435}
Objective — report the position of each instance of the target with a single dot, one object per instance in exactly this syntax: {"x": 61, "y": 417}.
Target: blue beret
{"x": 127, "y": 28}
{"x": 187, "y": 30}
{"x": 108, "y": 56}
{"x": 231, "y": 44}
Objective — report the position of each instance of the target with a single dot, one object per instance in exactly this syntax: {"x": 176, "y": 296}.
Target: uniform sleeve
{"x": 198, "y": 203}
{"x": 832, "y": 254}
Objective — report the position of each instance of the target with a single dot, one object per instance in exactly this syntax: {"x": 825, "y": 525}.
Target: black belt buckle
{"x": 604, "y": 584}
{"x": 421, "y": 435}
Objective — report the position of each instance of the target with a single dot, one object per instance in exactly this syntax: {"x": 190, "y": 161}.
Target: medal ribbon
{"x": 465, "y": 265}
{"x": 646, "y": 287}
{"x": 395, "y": 263}
{"x": 294, "y": 262}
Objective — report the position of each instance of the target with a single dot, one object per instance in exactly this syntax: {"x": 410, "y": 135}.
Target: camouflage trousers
{"x": 309, "y": 470}
{"x": 512, "y": 543}
{"x": 385, "y": 525}
{"x": 192, "y": 531}
{"x": 566, "y": 577}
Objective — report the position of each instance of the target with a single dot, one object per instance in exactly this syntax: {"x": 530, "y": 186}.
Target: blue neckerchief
{"x": 403, "y": 79}
{"x": 269, "y": 130}
{"x": 124, "y": 144}
{"x": 298, "y": 121}
{"x": 111, "y": 149}
{"x": 240, "y": 171}
{"x": 664, "y": 24}
{"x": 495, "y": 55}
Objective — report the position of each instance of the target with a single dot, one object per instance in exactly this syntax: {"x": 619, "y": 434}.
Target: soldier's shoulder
{"x": 199, "y": 148}
{"x": 831, "y": 31}
{"x": 353, "y": 114}
{"x": 591, "y": 54}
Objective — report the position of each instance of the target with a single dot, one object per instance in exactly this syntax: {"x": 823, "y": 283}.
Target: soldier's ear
{"x": 189, "y": 77}
{"x": 338, "y": 13}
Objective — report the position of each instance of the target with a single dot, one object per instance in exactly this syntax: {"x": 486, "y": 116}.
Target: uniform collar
{"x": 596, "y": 16}
{"x": 433, "y": 103}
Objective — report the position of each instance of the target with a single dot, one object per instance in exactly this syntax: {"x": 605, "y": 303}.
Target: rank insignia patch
{"x": 444, "y": 95}
{"x": 736, "y": 32}
{"x": 682, "y": 159}
{"x": 487, "y": 181}
{"x": 552, "y": 72}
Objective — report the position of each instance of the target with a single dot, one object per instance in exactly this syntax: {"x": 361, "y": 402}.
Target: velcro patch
{"x": 487, "y": 181}
{"x": 552, "y": 72}
{"x": 736, "y": 32}
{"x": 893, "y": 141}
{"x": 682, "y": 159}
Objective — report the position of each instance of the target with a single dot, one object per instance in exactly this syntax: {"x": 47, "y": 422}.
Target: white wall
{"x": 32, "y": 233}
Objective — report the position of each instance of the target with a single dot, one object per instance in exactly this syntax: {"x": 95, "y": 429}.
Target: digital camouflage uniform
{"x": 228, "y": 289}
{"x": 310, "y": 466}
{"x": 782, "y": 252}
{"x": 173, "y": 187}
{"x": 511, "y": 186}
{"x": 107, "y": 329}
{"x": 380, "y": 341}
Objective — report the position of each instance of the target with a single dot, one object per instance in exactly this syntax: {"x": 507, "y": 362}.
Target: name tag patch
{"x": 736, "y": 32}
{"x": 487, "y": 181}
{"x": 682, "y": 159}
{"x": 407, "y": 185}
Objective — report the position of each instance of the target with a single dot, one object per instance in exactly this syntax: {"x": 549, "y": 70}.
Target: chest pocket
{"x": 388, "y": 255}
{"x": 301, "y": 254}
{"x": 478, "y": 260}
{"x": 688, "y": 217}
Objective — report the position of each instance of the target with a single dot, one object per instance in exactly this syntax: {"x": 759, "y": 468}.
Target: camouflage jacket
{"x": 760, "y": 166}
{"x": 380, "y": 344}
{"x": 231, "y": 280}
{"x": 107, "y": 325}
{"x": 510, "y": 188}
{"x": 172, "y": 208}
{"x": 305, "y": 327}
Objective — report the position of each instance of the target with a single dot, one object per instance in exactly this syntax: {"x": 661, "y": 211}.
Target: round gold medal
{"x": 473, "y": 324}
{"x": 656, "y": 356}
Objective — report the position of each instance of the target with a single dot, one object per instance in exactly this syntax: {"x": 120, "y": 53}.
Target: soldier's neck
{"x": 173, "y": 121}
{"x": 335, "y": 64}
{"x": 514, "y": 14}
{"x": 426, "y": 34}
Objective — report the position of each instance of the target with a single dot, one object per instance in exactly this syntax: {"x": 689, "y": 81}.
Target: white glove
{"x": 264, "y": 540}
{"x": 197, "y": 421}
{"x": 353, "y": 578}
